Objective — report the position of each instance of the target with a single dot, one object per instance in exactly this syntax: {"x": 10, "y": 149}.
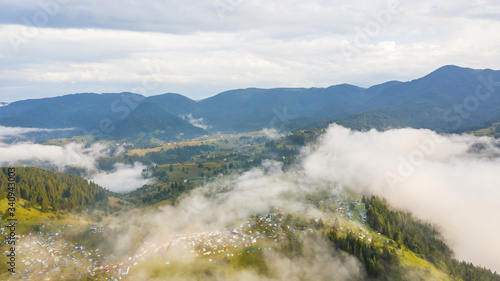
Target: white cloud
{"x": 19, "y": 132}
{"x": 256, "y": 44}
{"x": 273, "y": 134}
{"x": 72, "y": 154}
{"x": 197, "y": 122}
{"x": 124, "y": 178}
{"x": 450, "y": 181}
{"x": 226, "y": 203}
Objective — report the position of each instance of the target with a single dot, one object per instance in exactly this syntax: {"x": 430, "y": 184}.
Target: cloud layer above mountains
{"x": 200, "y": 48}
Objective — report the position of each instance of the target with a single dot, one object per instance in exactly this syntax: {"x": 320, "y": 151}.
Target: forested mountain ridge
{"x": 423, "y": 239}
{"x": 444, "y": 100}
{"x": 46, "y": 188}
{"x": 150, "y": 119}
{"x": 406, "y": 235}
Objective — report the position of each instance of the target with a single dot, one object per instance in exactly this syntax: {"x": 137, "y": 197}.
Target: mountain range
{"x": 445, "y": 100}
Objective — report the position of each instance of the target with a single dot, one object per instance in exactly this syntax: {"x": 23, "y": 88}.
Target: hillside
{"x": 254, "y": 109}
{"x": 83, "y": 111}
{"x": 444, "y": 100}
{"x": 303, "y": 241}
{"x": 175, "y": 104}
{"x": 46, "y": 189}
{"x": 152, "y": 121}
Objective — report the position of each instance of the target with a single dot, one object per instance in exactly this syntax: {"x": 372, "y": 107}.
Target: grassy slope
{"x": 490, "y": 131}
{"x": 412, "y": 264}
{"x": 232, "y": 142}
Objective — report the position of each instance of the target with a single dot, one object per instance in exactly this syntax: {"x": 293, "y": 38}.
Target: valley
{"x": 70, "y": 243}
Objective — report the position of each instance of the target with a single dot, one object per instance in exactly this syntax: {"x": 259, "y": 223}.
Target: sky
{"x": 200, "y": 48}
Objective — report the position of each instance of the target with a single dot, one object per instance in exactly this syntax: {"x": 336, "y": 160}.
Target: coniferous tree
{"x": 38, "y": 185}
{"x": 45, "y": 207}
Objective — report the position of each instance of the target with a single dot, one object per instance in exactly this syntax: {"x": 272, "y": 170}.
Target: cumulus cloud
{"x": 448, "y": 180}
{"x": 253, "y": 44}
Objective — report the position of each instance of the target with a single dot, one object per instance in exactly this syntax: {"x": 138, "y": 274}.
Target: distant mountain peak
{"x": 150, "y": 118}
{"x": 451, "y": 69}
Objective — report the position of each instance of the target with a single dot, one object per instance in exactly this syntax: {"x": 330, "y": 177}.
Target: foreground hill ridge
{"x": 392, "y": 245}
{"x": 45, "y": 188}
{"x": 436, "y": 101}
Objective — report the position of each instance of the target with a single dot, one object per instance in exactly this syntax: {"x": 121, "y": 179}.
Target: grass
{"x": 191, "y": 170}
{"x": 24, "y": 216}
{"x": 490, "y": 131}
{"x": 201, "y": 268}
{"x": 413, "y": 266}
{"x": 117, "y": 202}
{"x": 223, "y": 141}
{"x": 416, "y": 266}
{"x": 27, "y": 220}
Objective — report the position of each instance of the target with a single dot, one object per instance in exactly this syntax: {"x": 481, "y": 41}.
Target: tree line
{"x": 49, "y": 189}
{"x": 421, "y": 238}
{"x": 378, "y": 262}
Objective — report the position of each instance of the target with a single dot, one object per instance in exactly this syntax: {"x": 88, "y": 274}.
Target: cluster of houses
{"x": 44, "y": 255}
